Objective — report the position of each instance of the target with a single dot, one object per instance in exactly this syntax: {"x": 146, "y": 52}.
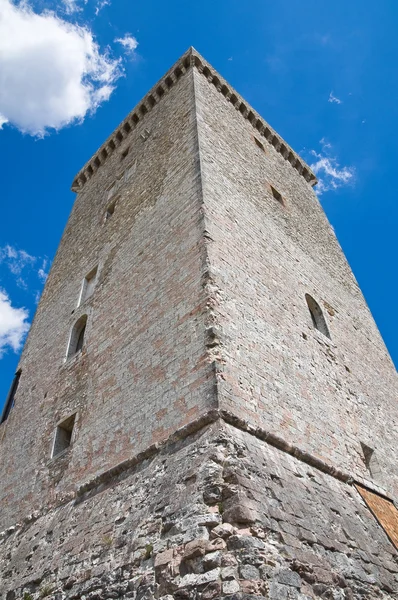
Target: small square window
{"x": 63, "y": 436}
{"x": 277, "y": 195}
{"x": 370, "y": 460}
{"x": 124, "y": 153}
{"x": 88, "y": 285}
{"x": 110, "y": 210}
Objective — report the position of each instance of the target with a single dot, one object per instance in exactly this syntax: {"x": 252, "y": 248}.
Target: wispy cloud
{"x": 72, "y": 6}
{"x": 333, "y": 99}
{"x": 52, "y": 72}
{"x": 128, "y": 42}
{"x": 13, "y": 324}
{"x": 15, "y": 260}
{"x": 100, "y": 5}
{"x": 331, "y": 175}
{"x": 20, "y": 263}
{"x": 42, "y": 272}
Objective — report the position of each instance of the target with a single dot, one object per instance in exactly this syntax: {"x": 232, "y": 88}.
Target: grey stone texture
{"x": 148, "y": 533}
{"x": 325, "y": 396}
{"x": 144, "y": 370}
{"x": 217, "y": 434}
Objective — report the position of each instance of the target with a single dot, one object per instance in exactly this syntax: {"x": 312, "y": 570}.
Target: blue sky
{"x": 323, "y": 74}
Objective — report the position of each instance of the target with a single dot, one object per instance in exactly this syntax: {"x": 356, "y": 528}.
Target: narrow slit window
{"x": 277, "y": 195}
{"x": 63, "y": 436}
{"x": 370, "y": 460}
{"x": 317, "y": 317}
{"x": 10, "y": 401}
{"x": 110, "y": 210}
{"x": 88, "y": 285}
{"x": 76, "y": 341}
{"x": 259, "y": 144}
{"x": 124, "y": 154}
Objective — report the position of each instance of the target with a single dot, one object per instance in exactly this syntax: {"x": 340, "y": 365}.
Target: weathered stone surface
{"x": 249, "y": 572}
{"x": 216, "y": 429}
{"x": 224, "y": 530}
{"x": 195, "y": 548}
{"x": 155, "y": 562}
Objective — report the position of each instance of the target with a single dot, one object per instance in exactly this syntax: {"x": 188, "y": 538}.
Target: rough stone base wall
{"x": 218, "y": 514}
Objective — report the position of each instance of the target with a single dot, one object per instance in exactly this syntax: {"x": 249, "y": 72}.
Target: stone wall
{"x": 216, "y": 514}
{"x": 198, "y": 319}
{"x": 324, "y": 395}
{"x": 143, "y": 371}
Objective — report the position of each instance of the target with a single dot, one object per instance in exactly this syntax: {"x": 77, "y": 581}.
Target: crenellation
{"x": 151, "y": 100}
{"x": 173, "y": 76}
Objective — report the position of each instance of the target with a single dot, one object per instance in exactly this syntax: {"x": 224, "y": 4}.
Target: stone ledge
{"x": 98, "y": 483}
{"x": 227, "y": 417}
{"x": 190, "y": 59}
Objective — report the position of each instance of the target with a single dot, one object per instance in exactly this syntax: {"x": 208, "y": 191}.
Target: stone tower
{"x": 204, "y": 407}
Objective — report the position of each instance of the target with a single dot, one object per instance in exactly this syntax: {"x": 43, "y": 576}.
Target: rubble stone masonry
{"x": 218, "y": 434}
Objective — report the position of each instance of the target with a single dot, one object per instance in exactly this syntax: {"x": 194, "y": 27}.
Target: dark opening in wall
{"x": 110, "y": 210}
{"x": 317, "y": 317}
{"x": 63, "y": 436}
{"x": 88, "y": 285}
{"x": 277, "y": 195}
{"x": 10, "y": 400}
{"x": 124, "y": 153}
{"x": 370, "y": 460}
{"x": 259, "y": 144}
{"x": 76, "y": 341}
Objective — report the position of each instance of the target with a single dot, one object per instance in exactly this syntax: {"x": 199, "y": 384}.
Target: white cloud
{"x": 51, "y": 71}
{"x": 331, "y": 176}
{"x": 18, "y": 261}
{"x": 72, "y": 6}
{"x": 333, "y": 99}
{"x": 13, "y": 324}
{"x": 42, "y": 273}
{"x": 128, "y": 42}
{"x": 100, "y": 5}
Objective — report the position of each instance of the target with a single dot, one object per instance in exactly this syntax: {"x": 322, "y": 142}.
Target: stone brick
{"x": 195, "y": 548}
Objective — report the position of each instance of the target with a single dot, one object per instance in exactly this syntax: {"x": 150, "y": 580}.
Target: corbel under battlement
{"x": 191, "y": 59}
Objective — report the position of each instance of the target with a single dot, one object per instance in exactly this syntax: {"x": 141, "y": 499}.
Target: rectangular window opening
{"x": 124, "y": 153}
{"x": 63, "y": 436}
{"x": 110, "y": 210}
{"x": 88, "y": 285}
{"x": 259, "y": 144}
{"x": 277, "y": 195}
{"x": 370, "y": 460}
